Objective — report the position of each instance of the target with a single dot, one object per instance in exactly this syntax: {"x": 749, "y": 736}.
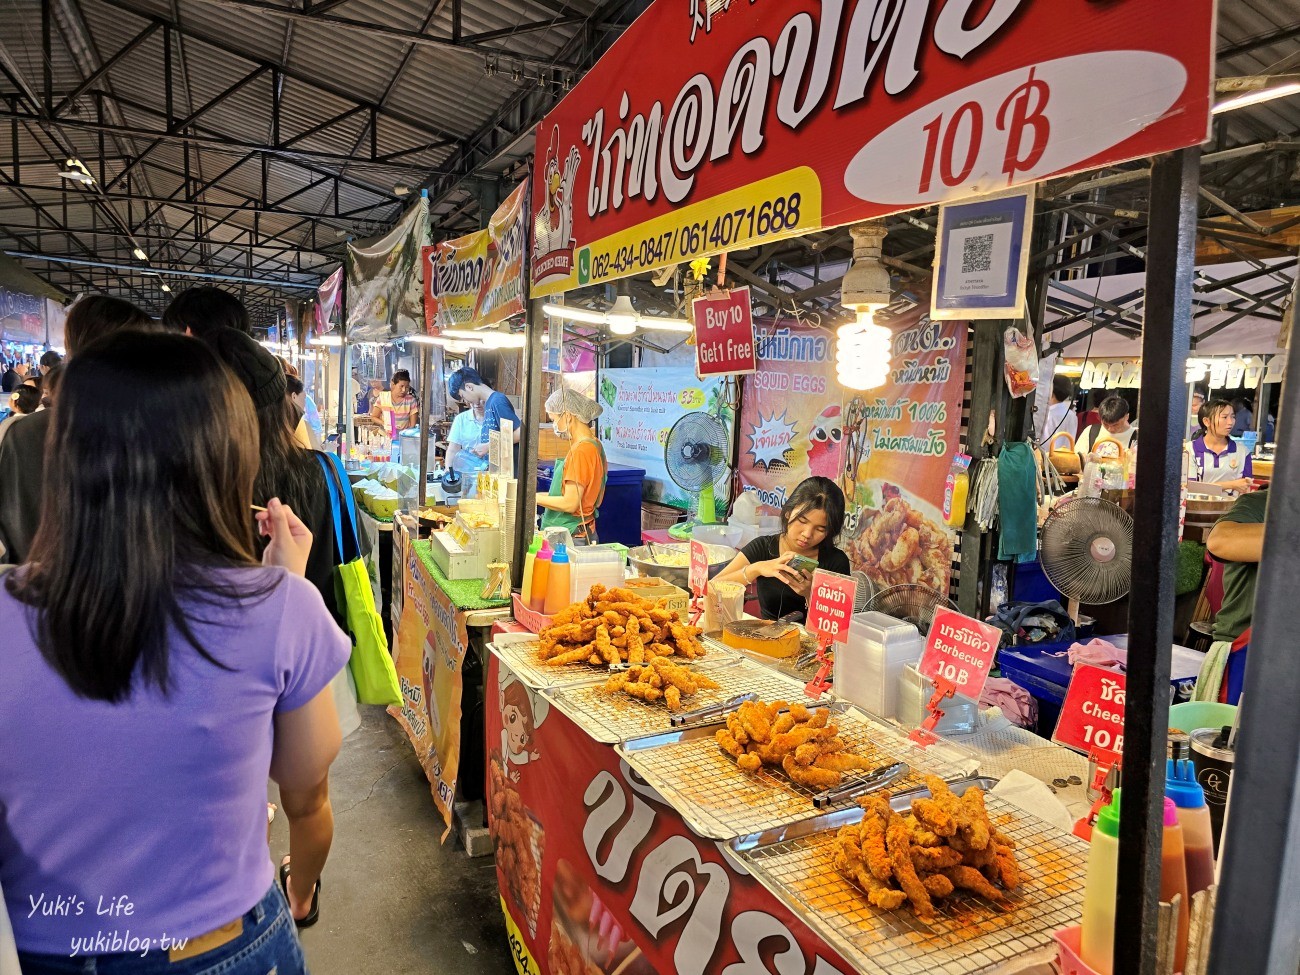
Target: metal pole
{"x": 426, "y": 406}
{"x": 529, "y": 434}
{"x": 345, "y": 404}
{"x": 1166, "y": 339}
{"x": 1257, "y": 925}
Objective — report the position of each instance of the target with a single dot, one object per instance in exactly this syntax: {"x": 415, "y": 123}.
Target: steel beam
{"x": 104, "y": 68}
{"x": 1166, "y": 338}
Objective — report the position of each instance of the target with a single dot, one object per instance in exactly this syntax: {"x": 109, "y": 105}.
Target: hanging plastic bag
{"x": 1021, "y": 362}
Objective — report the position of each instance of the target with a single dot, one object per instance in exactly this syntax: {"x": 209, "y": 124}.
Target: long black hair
{"x": 816, "y": 494}
{"x": 286, "y": 469}
{"x": 149, "y": 477}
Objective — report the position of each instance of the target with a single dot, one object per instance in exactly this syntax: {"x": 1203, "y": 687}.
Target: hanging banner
{"x": 503, "y": 286}
{"x": 431, "y": 644}
{"x": 598, "y": 874}
{"x": 327, "y": 301}
{"x": 790, "y": 412}
{"x": 22, "y": 317}
{"x": 900, "y": 440}
{"x": 455, "y": 271}
{"x": 704, "y": 148}
{"x": 384, "y": 298}
{"x": 724, "y": 334}
{"x": 641, "y": 406}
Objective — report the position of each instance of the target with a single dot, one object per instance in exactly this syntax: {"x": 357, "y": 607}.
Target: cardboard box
{"x": 648, "y": 587}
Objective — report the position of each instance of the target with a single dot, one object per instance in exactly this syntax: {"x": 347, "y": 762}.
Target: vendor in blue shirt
{"x": 1215, "y": 457}
{"x": 468, "y": 387}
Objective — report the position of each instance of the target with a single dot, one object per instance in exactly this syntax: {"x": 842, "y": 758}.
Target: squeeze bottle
{"x": 956, "y": 491}
{"x": 1097, "y": 932}
{"x": 541, "y": 576}
{"x": 1173, "y": 878}
{"x": 557, "y": 586}
{"x": 1194, "y": 816}
{"x": 526, "y": 587}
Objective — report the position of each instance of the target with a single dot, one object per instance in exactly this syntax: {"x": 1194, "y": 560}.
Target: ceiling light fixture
{"x": 1254, "y": 90}
{"x": 331, "y": 341}
{"x": 621, "y": 318}
{"x": 140, "y": 254}
{"x": 166, "y": 288}
{"x": 862, "y": 348}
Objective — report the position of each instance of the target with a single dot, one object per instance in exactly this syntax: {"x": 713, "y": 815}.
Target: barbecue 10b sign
{"x": 704, "y": 147}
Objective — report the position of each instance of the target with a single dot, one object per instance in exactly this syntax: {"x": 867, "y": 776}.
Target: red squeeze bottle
{"x": 1173, "y": 878}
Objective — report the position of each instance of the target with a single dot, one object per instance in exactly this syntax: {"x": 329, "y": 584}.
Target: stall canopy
{"x": 1237, "y": 310}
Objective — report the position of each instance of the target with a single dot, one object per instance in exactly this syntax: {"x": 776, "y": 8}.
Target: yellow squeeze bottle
{"x": 956, "y": 491}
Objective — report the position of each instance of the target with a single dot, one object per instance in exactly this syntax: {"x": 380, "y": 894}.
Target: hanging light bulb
{"x": 622, "y": 318}
{"x": 863, "y": 347}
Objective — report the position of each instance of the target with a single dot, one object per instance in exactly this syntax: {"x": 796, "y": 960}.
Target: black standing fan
{"x": 1087, "y": 551}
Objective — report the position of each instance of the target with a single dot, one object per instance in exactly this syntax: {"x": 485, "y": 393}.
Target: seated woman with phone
{"x": 782, "y": 565}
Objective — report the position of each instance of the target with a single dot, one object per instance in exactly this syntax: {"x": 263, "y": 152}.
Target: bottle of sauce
{"x": 526, "y": 586}
{"x": 1194, "y": 816}
{"x": 956, "y": 491}
{"x": 1173, "y": 878}
{"x": 1097, "y": 932}
{"x": 541, "y": 578}
{"x": 558, "y": 585}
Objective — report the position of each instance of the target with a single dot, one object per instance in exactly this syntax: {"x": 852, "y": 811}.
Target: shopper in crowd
{"x": 205, "y": 310}
{"x": 1060, "y": 416}
{"x": 142, "y": 627}
{"x": 578, "y": 484}
{"x": 782, "y": 565}
{"x": 49, "y": 360}
{"x": 1215, "y": 458}
{"x": 468, "y": 387}
{"x": 1113, "y": 426}
{"x": 305, "y": 431}
{"x": 49, "y": 382}
{"x": 22, "y": 453}
{"x": 397, "y": 409}
{"x": 1243, "y": 417}
{"x": 22, "y": 401}
{"x": 465, "y": 436}
{"x": 13, "y": 376}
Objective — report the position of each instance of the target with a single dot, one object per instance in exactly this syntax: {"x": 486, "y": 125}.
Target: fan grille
{"x": 914, "y": 603}
{"x": 1087, "y": 550}
{"x": 696, "y": 451}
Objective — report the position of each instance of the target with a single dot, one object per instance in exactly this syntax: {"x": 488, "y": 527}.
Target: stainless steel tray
{"x": 969, "y": 935}
{"x": 721, "y": 801}
{"x": 519, "y": 653}
{"x": 613, "y": 718}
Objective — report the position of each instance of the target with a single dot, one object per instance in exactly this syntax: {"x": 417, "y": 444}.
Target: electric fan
{"x": 695, "y": 454}
{"x": 1087, "y": 551}
{"x": 914, "y": 603}
{"x": 866, "y": 589}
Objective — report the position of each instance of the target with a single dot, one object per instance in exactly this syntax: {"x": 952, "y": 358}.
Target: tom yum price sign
{"x": 830, "y": 606}
{"x": 1092, "y": 714}
{"x": 724, "y": 335}
{"x": 959, "y": 653}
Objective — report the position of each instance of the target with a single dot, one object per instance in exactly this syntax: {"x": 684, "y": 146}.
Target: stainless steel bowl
{"x": 720, "y": 557}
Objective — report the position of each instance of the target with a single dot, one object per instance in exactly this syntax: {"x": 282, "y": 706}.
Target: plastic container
{"x": 1067, "y": 952}
{"x": 530, "y": 560}
{"x": 1194, "y": 816}
{"x": 1191, "y": 715}
{"x": 728, "y": 535}
{"x": 1173, "y": 878}
{"x": 868, "y": 668}
{"x": 1097, "y": 932}
{"x": 961, "y": 715}
{"x": 592, "y": 565}
{"x": 558, "y": 583}
{"x": 541, "y": 578}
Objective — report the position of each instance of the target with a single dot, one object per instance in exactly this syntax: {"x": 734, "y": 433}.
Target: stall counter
{"x": 441, "y": 630}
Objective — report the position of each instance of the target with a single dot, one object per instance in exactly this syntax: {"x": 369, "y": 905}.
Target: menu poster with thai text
{"x": 790, "y": 425}
{"x": 640, "y": 408}
{"x": 900, "y": 439}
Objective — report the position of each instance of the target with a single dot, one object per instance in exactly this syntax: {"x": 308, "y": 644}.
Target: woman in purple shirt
{"x": 153, "y": 675}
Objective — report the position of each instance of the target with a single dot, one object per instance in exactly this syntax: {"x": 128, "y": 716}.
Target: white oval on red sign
{"x": 1016, "y": 127}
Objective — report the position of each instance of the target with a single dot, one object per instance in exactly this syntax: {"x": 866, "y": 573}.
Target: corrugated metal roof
{"x": 429, "y": 96}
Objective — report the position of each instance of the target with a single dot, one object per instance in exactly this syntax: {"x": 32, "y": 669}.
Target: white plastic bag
{"x": 1021, "y": 362}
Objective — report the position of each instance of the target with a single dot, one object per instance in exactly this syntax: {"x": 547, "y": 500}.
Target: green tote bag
{"x": 371, "y": 663}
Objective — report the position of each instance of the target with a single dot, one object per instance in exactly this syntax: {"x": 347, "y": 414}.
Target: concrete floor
{"x": 394, "y": 900}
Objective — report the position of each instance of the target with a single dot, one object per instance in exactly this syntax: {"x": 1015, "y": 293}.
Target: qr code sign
{"x": 977, "y": 254}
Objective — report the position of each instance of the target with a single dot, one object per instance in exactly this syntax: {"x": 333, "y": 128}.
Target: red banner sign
{"x": 830, "y": 606}
{"x": 724, "y": 335}
{"x": 1092, "y": 715}
{"x": 705, "y": 147}
{"x": 959, "y": 653}
{"x": 599, "y": 873}
{"x": 699, "y": 575}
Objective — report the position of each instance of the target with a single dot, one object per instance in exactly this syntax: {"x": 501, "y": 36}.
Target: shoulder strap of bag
{"x": 334, "y": 483}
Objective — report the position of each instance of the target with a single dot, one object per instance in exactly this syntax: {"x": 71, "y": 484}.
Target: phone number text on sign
{"x": 959, "y": 652}
{"x": 1092, "y": 714}
{"x": 780, "y": 206}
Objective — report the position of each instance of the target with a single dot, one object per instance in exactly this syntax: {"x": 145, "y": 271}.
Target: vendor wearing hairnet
{"x": 578, "y": 484}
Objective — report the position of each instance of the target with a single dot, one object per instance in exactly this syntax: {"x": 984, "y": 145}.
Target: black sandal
{"x": 314, "y": 914}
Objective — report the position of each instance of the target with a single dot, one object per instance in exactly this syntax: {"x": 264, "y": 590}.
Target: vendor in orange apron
{"x": 578, "y": 484}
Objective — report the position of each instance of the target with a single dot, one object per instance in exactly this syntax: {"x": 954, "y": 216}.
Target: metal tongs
{"x": 711, "y": 710}
{"x": 872, "y": 781}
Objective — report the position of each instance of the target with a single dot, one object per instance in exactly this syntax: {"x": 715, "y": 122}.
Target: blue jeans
{"x": 268, "y": 946}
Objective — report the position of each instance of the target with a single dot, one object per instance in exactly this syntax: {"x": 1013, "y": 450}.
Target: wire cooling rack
{"x": 521, "y": 655}
{"x": 720, "y": 800}
{"x": 968, "y": 934}
{"x": 616, "y": 717}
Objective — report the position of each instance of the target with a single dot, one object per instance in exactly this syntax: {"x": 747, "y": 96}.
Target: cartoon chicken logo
{"x": 553, "y": 228}
{"x": 824, "y": 452}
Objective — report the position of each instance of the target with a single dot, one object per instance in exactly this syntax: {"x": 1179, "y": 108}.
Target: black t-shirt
{"x": 775, "y": 598}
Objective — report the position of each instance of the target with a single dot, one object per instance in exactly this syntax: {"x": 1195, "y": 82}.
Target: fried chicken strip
{"x": 898, "y": 838}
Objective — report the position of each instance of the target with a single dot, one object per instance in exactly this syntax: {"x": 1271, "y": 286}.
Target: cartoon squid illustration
{"x": 825, "y": 455}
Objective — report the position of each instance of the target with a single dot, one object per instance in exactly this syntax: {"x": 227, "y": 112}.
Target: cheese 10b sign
{"x": 1092, "y": 715}
{"x": 959, "y": 653}
{"x": 724, "y": 334}
{"x": 830, "y": 606}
